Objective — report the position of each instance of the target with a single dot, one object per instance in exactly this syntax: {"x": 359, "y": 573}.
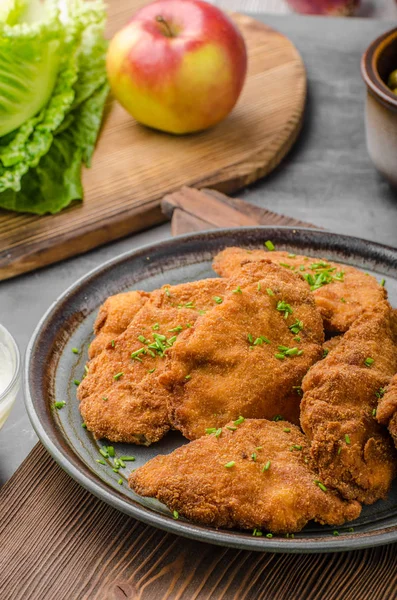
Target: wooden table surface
{"x": 329, "y": 180}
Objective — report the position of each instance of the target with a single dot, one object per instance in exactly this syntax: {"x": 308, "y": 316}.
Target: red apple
{"x": 178, "y": 65}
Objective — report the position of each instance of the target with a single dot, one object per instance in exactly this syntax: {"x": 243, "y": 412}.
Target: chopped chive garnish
{"x": 189, "y": 304}
{"x": 297, "y": 338}
{"x": 351, "y": 529}
{"x": 279, "y": 356}
{"x": 167, "y": 292}
{"x": 297, "y": 447}
{"x": 238, "y": 290}
{"x": 239, "y": 420}
{"x": 259, "y": 448}
{"x": 343, "y": 300}
{"x": 296, "y": 327}
{"x": 269, "y": 292}
{"x": 142, "y": 339}
{"x": 218, "y": 432}
{"x": 104, "y": 398}
{"x": 152, "y": 370}
{"x": 110, "y": 450}
{"x": 59, "y": 405}
{"x": 369, "y": 361}
{"x": 117, "y": 376}
{"x": 75, "y": 350}
{"x": 380, "y": 393}
{"x": 347, "y": 438}
{"x": 383, "y": 282}
{"x": 291, "y": 255}
{"x": 269, "y": 245}
{"x": 104, "y": 452}
{"x": 298, "y": 389}
{"x": 177, "y": 329}
{"x": 156, "y": 327}
{"x": 86, "y": 369}
{"x": 84, "y": 426}
{"x": 258, "y": 287}
{"x": 127, "y": 458}
{"x": 339, "y": 450}
{"x": 112, "y": 343}
{"x": 325, "y": 352}
{"x": 374, "y": 412}
{"x": 269, "y": 535}
{"x": 175, "y": 514}
{"x": 335, "y": 532}
{"x": 120, "y": 481}
{"x": 284, "y": 307}
{"x": 100, "y": 461}
{"x": 210, "y": 430}
{"x": 257, "y": 533}
{"x": 250, "y": 338}
{"x": 230, "y": 428}
{"x": 286, "y": 265}
{"x": 188, "y": 376}
{"x": 320, "y": 485}
{"x": 266, "y": 466}
{"x": 253, "y": 456}
{"x": 286, "y": 429}
{"x": 218, "y": 300}
{"x": 76, "y": 381}
{"x": 121, "y": 463}
{"x": 278, "y": 418}
{"x": 230, "y": 464}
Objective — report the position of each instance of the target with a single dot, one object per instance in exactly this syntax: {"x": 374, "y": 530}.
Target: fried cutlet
{"x": 114, "y": 316}
{"x": 247, "y": 356}
{"x": 341, "y": 292}
{"x": 254, "y": 474}
{"x": 352, "y": 452}
{"x": 121, "y": 397}
{"x": 387, "y": 408}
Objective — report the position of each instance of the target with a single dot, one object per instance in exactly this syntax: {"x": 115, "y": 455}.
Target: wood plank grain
{"x": 134, "y": 167}
{"x": 59, "y": 542}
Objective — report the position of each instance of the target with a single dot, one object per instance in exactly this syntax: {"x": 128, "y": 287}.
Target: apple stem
{"x": 166, "y": 28}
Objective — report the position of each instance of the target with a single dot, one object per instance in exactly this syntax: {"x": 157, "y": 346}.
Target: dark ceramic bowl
{"x": 379, "y": 60}
{"x": 52, "y": 367}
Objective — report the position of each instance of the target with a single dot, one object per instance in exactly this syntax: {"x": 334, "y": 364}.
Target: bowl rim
{"x": 17, "y": 370}
{"x": 369, "y": 69}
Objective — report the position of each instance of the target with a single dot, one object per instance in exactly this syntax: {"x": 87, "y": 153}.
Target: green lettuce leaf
{"x": 56, "y": 181}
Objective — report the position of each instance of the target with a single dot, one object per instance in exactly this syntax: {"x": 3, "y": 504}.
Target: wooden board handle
{"x": 195, "y": 210}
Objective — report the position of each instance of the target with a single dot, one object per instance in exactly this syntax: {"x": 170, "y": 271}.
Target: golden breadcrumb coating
{"x": 340, "y": 302}
{"x": 252, "y": 475}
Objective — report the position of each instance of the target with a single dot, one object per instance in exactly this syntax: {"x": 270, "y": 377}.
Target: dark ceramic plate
{"x": 51, "y": 368}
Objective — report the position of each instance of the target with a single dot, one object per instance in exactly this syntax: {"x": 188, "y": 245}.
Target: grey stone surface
{"x": 327, "y": 179}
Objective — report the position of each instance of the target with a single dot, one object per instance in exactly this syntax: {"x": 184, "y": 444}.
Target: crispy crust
{"x": 340, "y": 302}
{"x": 352, "y": 451}
{"x": 194, "y": 481}
{"x": 214, "y": 373}
{"x": 133, "y": 407}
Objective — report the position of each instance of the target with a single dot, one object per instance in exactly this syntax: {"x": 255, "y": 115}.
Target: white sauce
{"x": 6, "y": 367}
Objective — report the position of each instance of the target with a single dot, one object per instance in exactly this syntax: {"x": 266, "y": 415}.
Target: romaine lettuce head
{"x": 30, "y": 51}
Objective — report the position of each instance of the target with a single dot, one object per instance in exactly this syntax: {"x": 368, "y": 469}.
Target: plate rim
{"x": 92, "y": 483}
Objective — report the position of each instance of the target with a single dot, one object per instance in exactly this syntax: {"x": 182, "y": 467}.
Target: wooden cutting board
{"x": 134, "y": 167}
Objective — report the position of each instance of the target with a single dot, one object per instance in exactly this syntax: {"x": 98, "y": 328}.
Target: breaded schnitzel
{"x": 387, "y": 408}
{"x": 247, "y": 356}
{"x": 121, "y": 397}
{"x": 341, "y": 292}
{"x": 252, "y": 474}
{"x": 114, "y": 316}
{"x": 352, "y": 452}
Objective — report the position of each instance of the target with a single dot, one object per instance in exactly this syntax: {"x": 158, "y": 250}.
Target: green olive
{"x": 392, "y": 81}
